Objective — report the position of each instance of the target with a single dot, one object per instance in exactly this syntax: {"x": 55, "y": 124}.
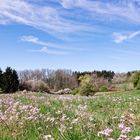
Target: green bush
{"x": 86, "y": 85}
{"x": 87, "y": 89}
{"x": 136, "y": 80}
{"x": 75, "y": 91}
{"x": 103, "y": 89}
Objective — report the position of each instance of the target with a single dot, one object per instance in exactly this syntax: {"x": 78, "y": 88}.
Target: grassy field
{"x": 39, "y": 116}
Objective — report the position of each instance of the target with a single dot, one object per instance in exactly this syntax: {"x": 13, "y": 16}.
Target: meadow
{"x": 40, "y": 116}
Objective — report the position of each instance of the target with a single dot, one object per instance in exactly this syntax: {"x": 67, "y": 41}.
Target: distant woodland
{"x": 84, "y": 83}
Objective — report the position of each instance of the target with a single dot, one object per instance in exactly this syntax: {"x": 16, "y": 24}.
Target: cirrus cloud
{"x": 119, "y": 38}
{"x": 49, "y": 47}
{"x": 45, "y": 18}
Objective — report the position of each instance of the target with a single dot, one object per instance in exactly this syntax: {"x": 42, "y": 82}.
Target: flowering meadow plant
{"x": 40, "y": 116}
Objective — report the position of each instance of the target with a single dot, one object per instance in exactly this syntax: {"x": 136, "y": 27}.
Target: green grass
{"x": 68, "y": 117}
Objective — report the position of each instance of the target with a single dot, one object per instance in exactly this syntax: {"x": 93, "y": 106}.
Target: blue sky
{"x": 70, "y": 34}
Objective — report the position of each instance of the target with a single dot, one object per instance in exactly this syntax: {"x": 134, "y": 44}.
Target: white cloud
{"x": 44, "y": 49}
{"x": 45, "y": 18}
{"x": 69, "y": 3}
{"x": 36, "y": 40}
{"x": 50, "y": 48}
{"x": 119, "y": 38}
{"x": 126, "y": 10}
{"x": 134, "y": 34}
{"x": 47, "y": 51}
{"x": 59, "y": 21}
{"x": 50, "y": 19}
{"x": 31, "y": 39}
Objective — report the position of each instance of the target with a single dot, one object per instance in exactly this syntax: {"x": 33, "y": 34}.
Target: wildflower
{"x": 48, "y": 137}
{"x": 137, "y": 138}
{"x": 126, "y": 130}
{"x": 122, "y": 137}
{"x": 110, "y": 139}
{"x": 121, "y": 125}
{"x": 74, "y": 121}
{"x": 105, "y": 132}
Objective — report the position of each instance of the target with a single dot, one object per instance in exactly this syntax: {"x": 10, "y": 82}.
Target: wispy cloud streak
{"x": 46, "y": 18}
{"x": 50, "y": 48}
{"x": 50, "y": 18}
{"x": 37, "y": 41}
{"x": 47, "y": 51}
{"x": 122, "y": 10}
{"x": 119, "y": 38}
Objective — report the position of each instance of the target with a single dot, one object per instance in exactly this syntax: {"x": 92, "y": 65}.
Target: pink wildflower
{"x": 137, "y": 138}
{"x": 110, "y": 139}
{"x": 121, "y": 125}
{"x": 105, "y": 132}
{"x": 126, "y": 130}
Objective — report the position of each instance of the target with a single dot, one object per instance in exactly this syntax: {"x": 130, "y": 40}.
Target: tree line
{"x": 60, "y": 79}
{"x": 46, "y": 80}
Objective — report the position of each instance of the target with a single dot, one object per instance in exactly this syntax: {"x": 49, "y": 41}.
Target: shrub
{"x": 103, "y": 89}
{"x": 35, "y": 85}
{"x": 86, "y": 85}
{"x": 136, "y": 80}
{"x": 75, "y": 91}
{"x": 87, "y": 89}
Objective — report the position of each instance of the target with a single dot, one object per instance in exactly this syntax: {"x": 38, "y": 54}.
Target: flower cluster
{"x": 123, "y": 134}
{"x": 105, "y": 132}
{"x": 14, "y": 115}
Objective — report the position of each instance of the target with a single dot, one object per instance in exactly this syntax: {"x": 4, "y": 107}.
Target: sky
{"x": 82, "y": 35}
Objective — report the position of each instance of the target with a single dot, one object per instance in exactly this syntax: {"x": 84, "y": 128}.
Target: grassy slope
{"x": 68, "y": 117}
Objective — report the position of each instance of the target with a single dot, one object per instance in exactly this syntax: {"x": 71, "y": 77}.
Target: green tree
{"x": 0, "y": 72}
{"x": 136, "y": 80}
{"x": 10, "y": 82}
{"x": 86, "y": 85}
{"x": 0, "y": 78}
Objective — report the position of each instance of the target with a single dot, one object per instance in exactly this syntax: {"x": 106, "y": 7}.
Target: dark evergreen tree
{"x": 15, "y": 83}
{"x": 0, "y": 78}
{"x": 0, "y": 71}
{"x": 10, "y": 82}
